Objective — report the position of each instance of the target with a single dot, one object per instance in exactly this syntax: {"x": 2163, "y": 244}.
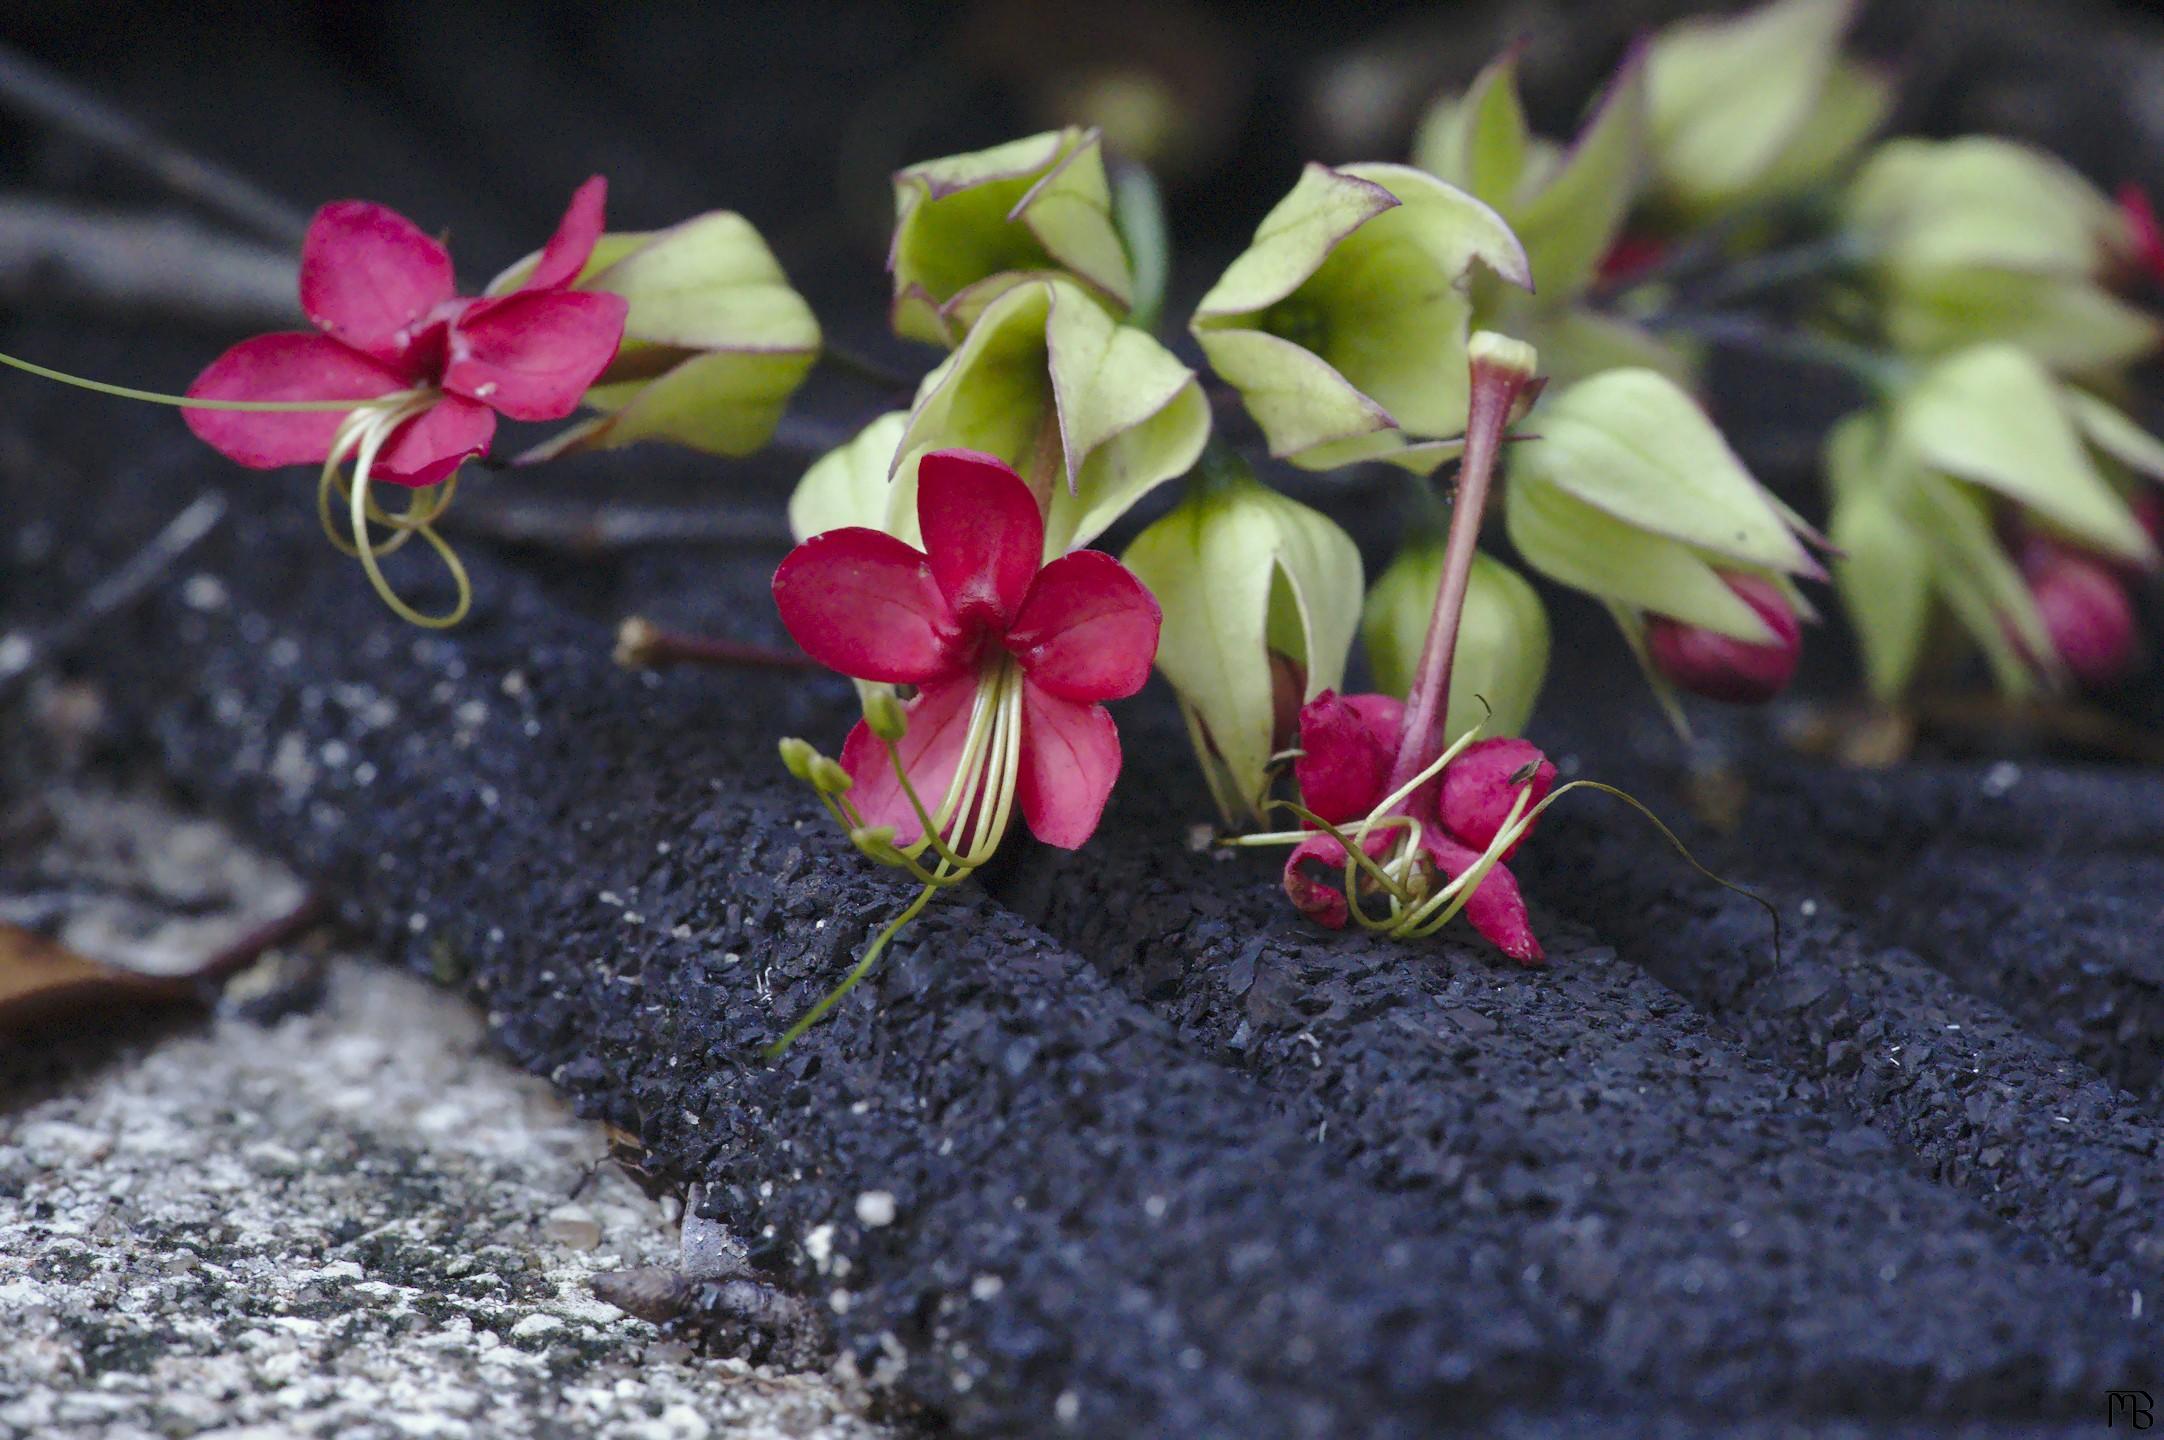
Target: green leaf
{"x": 1588, "y": 549}
{"x": 1935, "y": 205}
{"x": 1293, "y": 240}
{"x": 2072, "y": 325}
{"x": 1853, "y": 107}
{"x": 1632, "y": 445}
{"x": 1480, "y": 141}
{"x": 1095, "y": 413}
{"x": 709, "y": 284}
{"x": 1993, "y": 416}
{"x": 1031, "y": 206}
{"x": 1727, "y": 95}
{"x": 853, "y": 484}
{"x": 726, "y": 402}
{"x": 1573, "y": 219}
{"x": 2109, "y": 430}
{"x": 1213, "y": 564}
{"x": 1883, "y": 571}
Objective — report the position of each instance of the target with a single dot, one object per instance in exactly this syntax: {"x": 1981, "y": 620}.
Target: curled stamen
{"x": 862, "y": 968}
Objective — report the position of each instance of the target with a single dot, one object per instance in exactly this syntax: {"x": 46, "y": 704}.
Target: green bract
{"x": 1984, "y": 239}
{"x": 1911, "y": 537}
{"x": 853, "y": 484}
{"x": 1241, "y": 571}
{"x": 1567, "y": 207}
{"x": 1502, "y": 652}
{"x": 1755, "y": 105}
{"x": 1344, "y": 324}
{"x": 970, "y": 227}
{"x": 715, "y": 343}
{"x": 1093, "y": 413}
{"x": 1992, "y": 416}
{"x": 1631, "y": 495}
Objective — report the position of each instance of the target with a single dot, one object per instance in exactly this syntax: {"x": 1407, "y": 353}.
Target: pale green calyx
{"x": 1979, "y": 239}
{"x": 968, "y": 228}
{"x": 1742, "y": 104}
{"x": 1632, "y": 495}
{"x": 853, "y": 484}
{"x": 1242, "y": 571}
{"x": 1502, "y": 651}
{"x": 1913, "y": 541}
{"x": 1344, "y": 325}
{"x": 1992, "y": 416}
{"x": 1093, "y": 413}
{"x": 716, "y": 340}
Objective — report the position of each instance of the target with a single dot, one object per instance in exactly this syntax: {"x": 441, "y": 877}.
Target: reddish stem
{"x": 641, "y": 644}
{"x": 1495, "y": 393}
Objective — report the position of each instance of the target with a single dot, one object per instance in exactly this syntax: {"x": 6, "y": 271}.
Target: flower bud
{"x": 2086, "y": 612}
{"x": 827, "y": 775}
{"x": 1721, "y": 667}
{"x": 2144, "y": 235}
{"x": 883, "y": 714}
{"x": 1344, "y": 326}
{"x": 797, "y": 756}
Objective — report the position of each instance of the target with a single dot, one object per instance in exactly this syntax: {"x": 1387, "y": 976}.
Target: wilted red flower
{"x": 1347, "y": 745}
{"x": 1011, "y": 657}
{"x": 391, "y": 328}
{"x": 1721, "y": 667}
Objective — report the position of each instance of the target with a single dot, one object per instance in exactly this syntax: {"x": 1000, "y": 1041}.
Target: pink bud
{"x": 2086, "y": 611}
{"x": 2144, "y": 233}
{"x": 1721, "y": 667}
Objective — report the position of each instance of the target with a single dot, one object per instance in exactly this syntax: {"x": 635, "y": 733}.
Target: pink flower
{"x": 2143, "y": 230}
{"x": 2086, "y": 611}
{"x": 1011, "y": 657}
{"x": 1347, "y": 745}
{"x": 390, "y": 327}
{"x": 1721, "y": 667}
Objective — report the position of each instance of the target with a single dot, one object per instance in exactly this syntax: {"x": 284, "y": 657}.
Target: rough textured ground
{"x": 1113, "y": 1146}
{"x": 350, "y": 1222}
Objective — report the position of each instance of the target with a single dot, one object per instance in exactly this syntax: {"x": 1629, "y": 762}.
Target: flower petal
{"x": 531, "y": 355}
{"x": 1070, "y": 757}
{"x": 573, "y": 243}
{"x": 369, "y": 275}
{"x": 284, "y": 366}
{"x": 1480, "y": 786}
{"x": 861, "y": 602}
{"x": 431, "y": 445}
{"x": 930, "y": 751}
{"x": 982, "y": 531}
{"x": 1318, "y": 899}
{"x": 1496, "y": 909}
{"x": 1087, "y": 629}
{"x": 1344, "y": 764}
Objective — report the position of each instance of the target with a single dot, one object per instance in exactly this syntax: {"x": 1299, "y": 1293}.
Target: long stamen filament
{"x": 159, "y": 397}
{"x": 863, "y": 967}
{"x": 372, "y": 432}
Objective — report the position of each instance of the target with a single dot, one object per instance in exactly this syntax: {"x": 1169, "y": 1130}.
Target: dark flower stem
{"x": 1495, "y": 393}
{"x": 641, "y": 644}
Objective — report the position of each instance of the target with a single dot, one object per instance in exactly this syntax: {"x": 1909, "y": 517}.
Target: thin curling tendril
{"x": 361, "y": 437}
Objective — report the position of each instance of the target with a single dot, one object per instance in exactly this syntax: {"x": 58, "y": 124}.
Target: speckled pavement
{"x": 352, "y": 1222}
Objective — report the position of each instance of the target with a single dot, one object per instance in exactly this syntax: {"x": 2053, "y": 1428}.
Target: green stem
{"x": 156, "y": 397}
{"x": 863, "y": 367}
{"x": 1138, "y": 211}
{"x": 1829, "y": 254}
{"x": 1877, "y": 369}
{"x": 863, "y": 968}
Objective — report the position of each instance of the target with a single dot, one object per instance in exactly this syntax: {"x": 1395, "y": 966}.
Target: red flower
{"x": 1721, "y": 667}
{"x": 1011, "y": 657}
{"x": 1347, "y": 744}
{"x": 389, "y": 324}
